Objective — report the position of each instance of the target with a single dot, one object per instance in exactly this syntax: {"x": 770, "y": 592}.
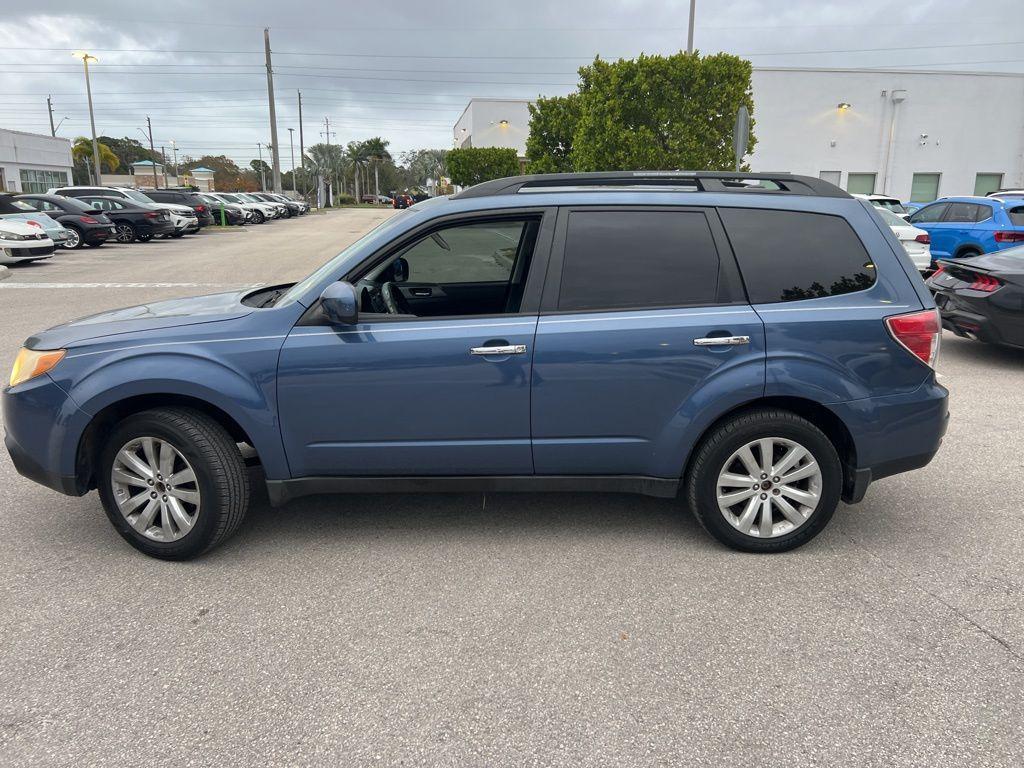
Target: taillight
{"x": 1009, "y": 237}
{"x": 925, "y": 238}
{"x": 87, "y": 220}
{"x": 152, "y": 215}
{"x": 200, "y": 208}
{"x": 918, "y": 333}
{"x": 938, "y": 271}
{"x": 985, "y": 283}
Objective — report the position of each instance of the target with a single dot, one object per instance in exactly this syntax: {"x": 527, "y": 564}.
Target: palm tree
{"x": 81, "y": 152}
{"x": 324, "y": 160}
{"x": 376, "y": 149}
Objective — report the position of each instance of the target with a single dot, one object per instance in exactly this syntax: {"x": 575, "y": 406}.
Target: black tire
{"x": 176, "y": 235}
{"x": 220, "y": 476}
{"x": 968, "y": 253}
{"x": 710, "y": 457}
{"x": 95, "y": 245}
{"x": 258, "y": 217}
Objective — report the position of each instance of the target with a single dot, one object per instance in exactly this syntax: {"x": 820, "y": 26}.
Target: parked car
{"x": 133, "y": 220}
{"x": 291, "y": 207}
{"x": 302, "y": 204}
{"x": 962, "y": 227}
{"x": 21, "y": 242}
{"x": 913, "y": 206}
{"x": 885, "y": 202}
{"x": 85, "y": 224}
{"x": 916, "y": 242}
{"x": 616, "y": 340}
{"x": 182, "y": 216}
{"x": 283, "y": 210}
{"x": 13, "y": 210}
{"x": 402, "y": 200}
{"x": 983, "y": 297}
{"x": 184, "y": 197}
{"x": 233, "y": 214}
{"x": 1003, "y": 194}
{"x": 260, "y": 212}
{"x": 270, "y": 210}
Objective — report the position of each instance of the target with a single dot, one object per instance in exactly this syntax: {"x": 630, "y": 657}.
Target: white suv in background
{"x": 260, "y": 211}
{"x": 183, "y": 217}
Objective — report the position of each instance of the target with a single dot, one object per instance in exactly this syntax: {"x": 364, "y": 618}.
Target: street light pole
{"x": 689, "y": 34}
{"x": 275, "y": 158}
{"x": 85, "y": 57}
{"x": 291, "y": 144}
{"x": 174, "y": 149}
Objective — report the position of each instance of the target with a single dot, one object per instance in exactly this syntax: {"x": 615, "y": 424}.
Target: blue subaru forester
{"x": 758, "y": 344}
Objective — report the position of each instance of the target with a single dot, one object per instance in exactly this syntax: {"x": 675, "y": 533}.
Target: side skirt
{"x": 283, "y": 491}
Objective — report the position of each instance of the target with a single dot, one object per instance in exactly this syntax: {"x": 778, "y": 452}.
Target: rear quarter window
{"x": 794, "y": 255}
{"x": 1016, "y": 215}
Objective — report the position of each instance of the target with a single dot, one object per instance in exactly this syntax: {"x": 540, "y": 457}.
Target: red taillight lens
{"x": 938, "y": 271}
{"x": 985, "y": 283}
{"x": 925, "y": 238}
{"x": 918, "y": 333}
{"x": 1009, "y": 237}
{"x": 87, "y": 220}
{"x": 152, "y": 215}
{"x": 200, "y": 208}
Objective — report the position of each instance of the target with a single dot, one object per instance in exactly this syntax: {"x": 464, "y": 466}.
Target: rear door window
{"x": 963, "y": 212}
{"x": 793, "y": 255}
{"x": 631, "y": 259}
{"x": 929, "y": 214}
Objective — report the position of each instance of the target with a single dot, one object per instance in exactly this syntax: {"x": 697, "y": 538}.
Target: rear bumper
{"x": 893, "y": 434}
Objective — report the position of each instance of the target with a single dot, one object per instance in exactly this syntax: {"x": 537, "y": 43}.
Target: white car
{"x": 886, "y": 203}
{"x": 274, "y": 210}
{"x": 916, "y": 242}
{"x": 260, "y": 211}
{"x": 20, "y": 242}
{"x": 183, "y": 217}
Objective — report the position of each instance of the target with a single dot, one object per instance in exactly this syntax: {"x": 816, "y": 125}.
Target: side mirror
{"x": 399, "y": 270}
{"x": 340, "y": 302}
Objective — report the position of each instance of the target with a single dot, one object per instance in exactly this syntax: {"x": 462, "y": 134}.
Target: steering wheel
{"x": 394, "y": 300}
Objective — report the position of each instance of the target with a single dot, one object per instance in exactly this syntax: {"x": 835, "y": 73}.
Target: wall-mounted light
{"x": 842, "y": 106}
{"x": 503, "y": 123}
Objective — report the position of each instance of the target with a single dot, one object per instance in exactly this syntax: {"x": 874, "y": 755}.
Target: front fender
{"x": 240, "y": 381}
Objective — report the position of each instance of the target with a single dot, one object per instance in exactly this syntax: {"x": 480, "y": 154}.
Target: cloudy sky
{"x": 405, "y": 71}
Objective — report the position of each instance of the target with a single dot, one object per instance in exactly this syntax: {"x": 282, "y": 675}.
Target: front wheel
{"x": 173, "y": 483}
{"x": 258, "y": 217}
{"x": 766, "y": 480}
{"x": 74, "y": 239}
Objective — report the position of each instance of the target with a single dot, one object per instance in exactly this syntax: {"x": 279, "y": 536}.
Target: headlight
{"x": 31, "y": 363}
{"x": 15, "y": 236}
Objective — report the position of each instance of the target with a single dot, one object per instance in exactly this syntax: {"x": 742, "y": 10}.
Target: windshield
{"x": 229, "y": 198}
{"x": 891, "y": 218}
{"x": 137, "y": 196}
{"x": 890, "y": 205}
{"x": 376, "y": 235}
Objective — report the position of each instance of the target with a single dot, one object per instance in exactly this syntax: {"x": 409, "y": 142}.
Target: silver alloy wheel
{"x": 74, "y": 239}
{"x": 155, "y": 489}
{"x": 125, "y": 233}
{"x": 769, "y": 487}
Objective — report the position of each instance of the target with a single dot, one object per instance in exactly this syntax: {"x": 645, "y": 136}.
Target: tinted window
{"x": 930, "y": 213}
{"x": 1016, "y": 216}
{"x": 638, "y": 259}
{"x": 791, "y": 255}
{"x": 963, "y": 212}
{"x": 476, "y": 253}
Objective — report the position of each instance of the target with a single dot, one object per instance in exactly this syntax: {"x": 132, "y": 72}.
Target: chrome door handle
{"x": 511, "y": 349}
{"x": 721, "y": 341}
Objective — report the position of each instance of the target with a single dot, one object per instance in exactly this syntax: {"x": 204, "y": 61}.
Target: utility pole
{"x": 327, "y": 130}
{"x": 302, "y": 142}
{"x": 274, "y": 156}
{"x": 291, "y": 144}
{"x": 263, "y": 175}
{"x": 49, "y": 108}
{"x": 85, "y": 57}
{"x": 174, "y": 149}
{"x": 149, "y": 126}
{"x": 689, "y": 33}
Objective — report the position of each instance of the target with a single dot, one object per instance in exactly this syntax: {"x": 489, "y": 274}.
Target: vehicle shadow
{"x": 978, "y": 352}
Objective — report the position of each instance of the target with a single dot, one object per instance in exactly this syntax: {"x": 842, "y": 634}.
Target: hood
{"x": 178, "y": 208}
{"x": 16, "y": 227}
{"x": 44, "y": 221}
{"x": 172, "y": 313}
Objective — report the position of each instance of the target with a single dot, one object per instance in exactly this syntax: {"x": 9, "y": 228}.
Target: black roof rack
{"x": 688, "y": 181}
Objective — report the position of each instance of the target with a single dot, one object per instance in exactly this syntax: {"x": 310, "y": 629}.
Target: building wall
{"x": 32, "y": 152}
{"x": 480, "y": 125}
{"x": 954, "y": 124}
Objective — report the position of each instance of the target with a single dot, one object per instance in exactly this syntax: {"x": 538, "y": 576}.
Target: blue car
{"x": 758, "y": 345}
{"x": 963, "y": 227}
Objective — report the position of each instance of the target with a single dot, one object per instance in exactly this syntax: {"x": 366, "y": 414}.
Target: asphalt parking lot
{"x": 508, "y": 629}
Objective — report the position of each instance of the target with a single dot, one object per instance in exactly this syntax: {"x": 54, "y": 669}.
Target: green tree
{"x": 376, "y": 150}
{"x": 226, "y": 174}
{"x": 553, "y": 122}
{"x": 474, "y": 165}
{"x": 649, "y": 113}
{"x": 423, "y": 165}
{"x": 129, "y": 150}
{"x": 324, "y": 161}
{"x": 81, "y": 151}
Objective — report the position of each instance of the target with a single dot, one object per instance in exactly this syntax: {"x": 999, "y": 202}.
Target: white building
{"x": 32, "y": 162}
{"x": 912, "y": 134}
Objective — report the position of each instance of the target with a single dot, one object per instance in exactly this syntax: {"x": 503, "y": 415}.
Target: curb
{"x": 4, "y": 273}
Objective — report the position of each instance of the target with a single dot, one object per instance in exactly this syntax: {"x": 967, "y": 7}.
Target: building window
{"x": 860, "y": 183}
{"x": 984, "y": 183}
{"x": 924, "y": 187}
{"x": 832, "y": 177}
{"x": 40, "y": 181}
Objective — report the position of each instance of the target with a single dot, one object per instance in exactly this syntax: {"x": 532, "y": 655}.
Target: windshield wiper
{"x": 272, "y": 298}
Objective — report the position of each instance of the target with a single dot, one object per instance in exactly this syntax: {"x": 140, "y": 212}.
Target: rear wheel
{"x": 258, "y": 217}
{"x": 173, "y": 483}
{"x": 74, "y": 238}
{"x": 124, "y": 232}
{"x": 968, "y": 253}
{"x": 764, "y": 481}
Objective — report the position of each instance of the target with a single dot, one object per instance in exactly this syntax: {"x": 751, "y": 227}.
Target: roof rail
{"x": 675, "y": 181}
